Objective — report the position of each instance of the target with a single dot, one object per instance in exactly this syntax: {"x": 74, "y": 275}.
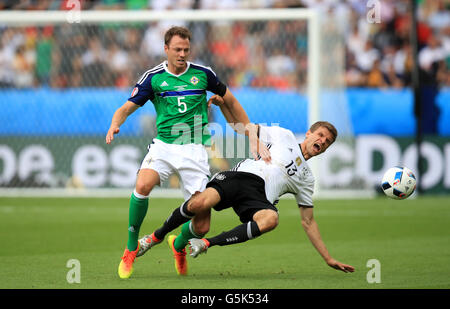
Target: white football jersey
{"x": 288, "y": 171}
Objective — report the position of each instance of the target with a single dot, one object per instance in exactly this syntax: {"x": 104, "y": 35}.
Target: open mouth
{"x": 317, "y": 147}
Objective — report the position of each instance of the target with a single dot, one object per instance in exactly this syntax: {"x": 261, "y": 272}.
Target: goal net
{"x": 63, "y": 74}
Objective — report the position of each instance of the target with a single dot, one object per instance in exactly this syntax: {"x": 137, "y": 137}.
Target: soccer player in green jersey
{"x": 177, "y": 88}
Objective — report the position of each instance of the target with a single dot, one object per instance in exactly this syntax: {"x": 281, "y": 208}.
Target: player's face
{"x": 177, "y": 54}
{"x": 318, "y": 141}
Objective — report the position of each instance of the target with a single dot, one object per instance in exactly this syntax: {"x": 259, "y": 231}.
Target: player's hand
{"x": 259, "y": 150}
{"x": 110, "y": 135}
{"x": 216, "y": 100}
{"x": 340, "y": 266}
{"x": 264, "y": 152}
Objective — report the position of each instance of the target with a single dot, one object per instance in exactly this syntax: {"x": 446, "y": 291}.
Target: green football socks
{"x": 137, "y": 212}
{"x": 187, "y": 232}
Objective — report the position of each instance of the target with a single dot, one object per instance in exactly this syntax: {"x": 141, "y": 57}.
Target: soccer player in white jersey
{"x": 252, "y": 188}
{"x": 177, "y": 88}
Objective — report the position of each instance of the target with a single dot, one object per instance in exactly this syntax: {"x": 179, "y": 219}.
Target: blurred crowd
{"x": 378, "y": 49}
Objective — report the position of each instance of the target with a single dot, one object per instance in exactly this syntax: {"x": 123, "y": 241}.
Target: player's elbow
{"x": 128, "y": 108}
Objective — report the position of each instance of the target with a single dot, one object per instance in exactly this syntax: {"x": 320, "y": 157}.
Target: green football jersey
{"x": 180, "y": 101}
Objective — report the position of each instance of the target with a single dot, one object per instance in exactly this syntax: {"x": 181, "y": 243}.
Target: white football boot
{"x": 197, "y": 246}
{"x": 145, "y": 243}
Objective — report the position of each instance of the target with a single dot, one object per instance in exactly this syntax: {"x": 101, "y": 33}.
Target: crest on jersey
{"x": 134, "y": 92}
{"x": 220, "y": 177}
{"x": 194, "y": 80}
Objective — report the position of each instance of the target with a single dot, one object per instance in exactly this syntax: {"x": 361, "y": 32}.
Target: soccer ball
{"x": 398, "y": 182}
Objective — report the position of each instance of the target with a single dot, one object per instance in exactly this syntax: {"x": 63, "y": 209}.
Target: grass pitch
{"x": 410, "y": 239}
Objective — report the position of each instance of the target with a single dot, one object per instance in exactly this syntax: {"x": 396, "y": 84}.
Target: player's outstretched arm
{"x": 119, "y": 118}
{"x": 227, "y": 111}
{"x": 312, "y": 230}
{"x": 234, "y": 113}
{"x": 239, "y": 121}
{"x": 219, "y": 101}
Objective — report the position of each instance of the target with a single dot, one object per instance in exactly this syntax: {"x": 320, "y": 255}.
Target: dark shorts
{"x": 245, "y": 192}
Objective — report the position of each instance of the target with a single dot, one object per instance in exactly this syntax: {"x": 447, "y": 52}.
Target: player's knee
{"x": 272, "y": 220}
{"x": 143, "y": 187}
{"x": 146, "y": 180}
{"x": 267, "y": 220}
{"x": 198, "y": 203}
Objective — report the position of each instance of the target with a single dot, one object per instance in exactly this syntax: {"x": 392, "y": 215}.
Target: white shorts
{"x": 189, "y": 162}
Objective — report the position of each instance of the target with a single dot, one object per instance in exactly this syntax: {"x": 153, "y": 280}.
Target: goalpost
{"x": 323, "y": 87}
